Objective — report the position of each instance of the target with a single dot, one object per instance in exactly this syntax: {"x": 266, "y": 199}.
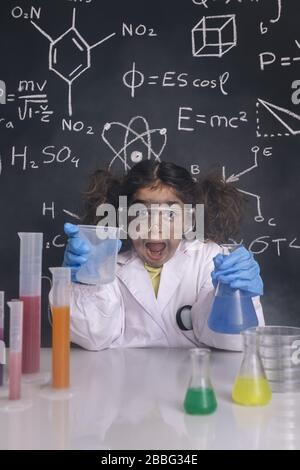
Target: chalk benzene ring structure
{"x": 83, "y": 49}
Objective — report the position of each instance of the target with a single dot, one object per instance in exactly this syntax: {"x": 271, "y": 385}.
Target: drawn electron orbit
{"x": 133, "y": 137}
{"x": 80, "y": 59}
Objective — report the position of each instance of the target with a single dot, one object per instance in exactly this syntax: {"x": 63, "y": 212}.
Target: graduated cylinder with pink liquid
{"x": 30, "y": 293}
{"x": 15, "y": 349}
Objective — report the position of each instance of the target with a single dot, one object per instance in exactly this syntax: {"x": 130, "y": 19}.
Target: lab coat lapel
{"x": 132, "y": 273}
{"x": 171, "y": 276}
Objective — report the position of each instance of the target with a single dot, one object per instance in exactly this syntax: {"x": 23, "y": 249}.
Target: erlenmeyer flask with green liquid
{"x": 233, "y": 310}
{"x": 200, "y": 397}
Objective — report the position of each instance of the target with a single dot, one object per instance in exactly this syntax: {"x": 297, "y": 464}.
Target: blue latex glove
{"x": 239, "y": 270}
{"x": 77, "y": 250}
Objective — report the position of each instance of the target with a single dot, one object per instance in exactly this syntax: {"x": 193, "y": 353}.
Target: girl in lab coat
{"x": 164, "y": 287}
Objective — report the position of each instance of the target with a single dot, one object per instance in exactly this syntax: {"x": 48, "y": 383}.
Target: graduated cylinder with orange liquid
{"x": 60, "y": 308}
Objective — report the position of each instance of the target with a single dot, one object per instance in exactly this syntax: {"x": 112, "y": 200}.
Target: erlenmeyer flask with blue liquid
{"x": 233, "y": 310}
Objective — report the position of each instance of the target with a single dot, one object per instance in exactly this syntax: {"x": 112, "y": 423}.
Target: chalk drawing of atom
{"x": 134, "y": 142}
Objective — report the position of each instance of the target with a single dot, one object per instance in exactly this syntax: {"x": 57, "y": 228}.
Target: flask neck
{"x": 228, "y": 248}
{"x": 250, "y": 342}
{"x": 200, "y": 361}
{"x": 224, "y": 290}
{"x": 252, "y": 364}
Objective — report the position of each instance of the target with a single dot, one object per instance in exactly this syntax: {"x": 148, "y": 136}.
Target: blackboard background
{"x": 99, "y": 96}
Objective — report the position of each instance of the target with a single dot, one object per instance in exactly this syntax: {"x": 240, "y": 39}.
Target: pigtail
{"x": 224, "y": 207}
{"x": 103, "y": 188}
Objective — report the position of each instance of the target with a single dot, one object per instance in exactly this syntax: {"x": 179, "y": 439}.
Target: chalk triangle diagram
{"x": 289, "y": 119}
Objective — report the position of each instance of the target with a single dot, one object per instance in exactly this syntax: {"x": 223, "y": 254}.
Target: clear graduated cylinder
{"x": 233, "y": 310}
{"x": 60, "y": 308}
{"x": 251, "y": 387}
{"x": 200, "y": 397}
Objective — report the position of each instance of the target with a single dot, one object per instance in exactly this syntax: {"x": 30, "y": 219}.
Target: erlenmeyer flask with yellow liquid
{"x": 233, "y": 310}
{"x": 251, "y": 387}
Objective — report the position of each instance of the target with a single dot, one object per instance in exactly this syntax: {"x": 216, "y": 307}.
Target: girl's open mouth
{"x": 155, "y": 250}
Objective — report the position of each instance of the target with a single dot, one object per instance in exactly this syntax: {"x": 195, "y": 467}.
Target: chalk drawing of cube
{"x": 213, "y": 36}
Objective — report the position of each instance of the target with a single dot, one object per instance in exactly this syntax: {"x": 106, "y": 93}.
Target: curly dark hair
{"x": 223, "y": 204}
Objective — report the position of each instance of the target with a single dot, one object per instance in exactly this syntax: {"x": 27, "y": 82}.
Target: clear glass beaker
{"x": 279, "y": 348}
{"x": 233, "y": 310}
{"x": 200, "y": 397}
{"x": 251, "y": 387}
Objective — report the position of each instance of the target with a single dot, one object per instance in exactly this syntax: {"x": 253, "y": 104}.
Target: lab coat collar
{"x": 172, "y": 275}
{"x": 132, "y": 273}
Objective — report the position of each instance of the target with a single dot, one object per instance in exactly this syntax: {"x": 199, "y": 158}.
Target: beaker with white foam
{"x": 100, "y": 267}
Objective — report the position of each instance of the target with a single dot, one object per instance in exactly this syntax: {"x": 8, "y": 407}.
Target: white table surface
{"x": 132, "y": 399}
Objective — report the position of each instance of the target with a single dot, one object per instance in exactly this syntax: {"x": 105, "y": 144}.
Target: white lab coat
{"x": 126, "y": 313}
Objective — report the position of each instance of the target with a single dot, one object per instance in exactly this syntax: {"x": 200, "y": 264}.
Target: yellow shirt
{"x": 154, "y": 274}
